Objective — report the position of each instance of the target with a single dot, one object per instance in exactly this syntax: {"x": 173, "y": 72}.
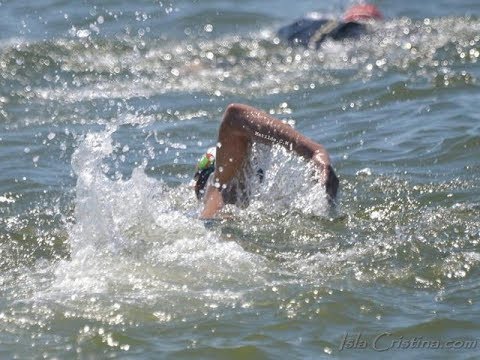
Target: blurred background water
{"x": 105, "y": 109}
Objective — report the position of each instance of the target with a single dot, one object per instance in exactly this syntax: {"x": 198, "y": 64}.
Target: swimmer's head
{"x": 362, "y": 13}
{"x": 205, "y": 167}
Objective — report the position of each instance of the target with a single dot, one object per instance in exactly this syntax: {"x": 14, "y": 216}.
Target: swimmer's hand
{"x": 213, "y": 203}
{"x": 325, "y": 173}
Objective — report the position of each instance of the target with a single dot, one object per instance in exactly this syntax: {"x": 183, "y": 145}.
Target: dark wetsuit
{"x": 311, "y": 33}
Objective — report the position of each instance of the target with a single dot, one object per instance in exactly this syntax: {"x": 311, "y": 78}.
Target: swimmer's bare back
{"x": 241, "y": 126}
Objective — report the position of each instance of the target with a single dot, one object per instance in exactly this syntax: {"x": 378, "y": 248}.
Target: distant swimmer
{"x": 311, "y": 32}
{"x": 218, "y": 171}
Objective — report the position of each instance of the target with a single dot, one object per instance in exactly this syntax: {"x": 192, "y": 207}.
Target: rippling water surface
{"x": 104, "y": 111}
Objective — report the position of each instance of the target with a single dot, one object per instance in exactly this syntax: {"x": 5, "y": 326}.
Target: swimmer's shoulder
{"x": 348, "y": 30}
{"x": 303, "y": 31}
{"x": 300, "y": 31}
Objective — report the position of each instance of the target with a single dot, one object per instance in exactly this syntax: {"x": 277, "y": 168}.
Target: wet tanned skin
{"x": 241, "y": 126}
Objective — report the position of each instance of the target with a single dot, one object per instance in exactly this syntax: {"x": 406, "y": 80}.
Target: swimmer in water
{"x": 312, "y": 32}
{"x": 243, "y": 125}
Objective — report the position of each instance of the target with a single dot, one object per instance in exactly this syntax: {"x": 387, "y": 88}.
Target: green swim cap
{"x": 207, "y": 160}
{"x": 205, "y": 167}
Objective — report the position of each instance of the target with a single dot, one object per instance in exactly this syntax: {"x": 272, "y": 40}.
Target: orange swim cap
{"x": 362, "y": 12}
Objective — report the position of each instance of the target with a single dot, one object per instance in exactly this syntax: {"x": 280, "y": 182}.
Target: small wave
{"x": 429, "y": 52}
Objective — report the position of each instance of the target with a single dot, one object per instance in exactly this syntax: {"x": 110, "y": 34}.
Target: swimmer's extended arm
{"x": 242, "y": 125}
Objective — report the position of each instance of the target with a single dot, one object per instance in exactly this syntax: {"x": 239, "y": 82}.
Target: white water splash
{"x": 141, "y": 238}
